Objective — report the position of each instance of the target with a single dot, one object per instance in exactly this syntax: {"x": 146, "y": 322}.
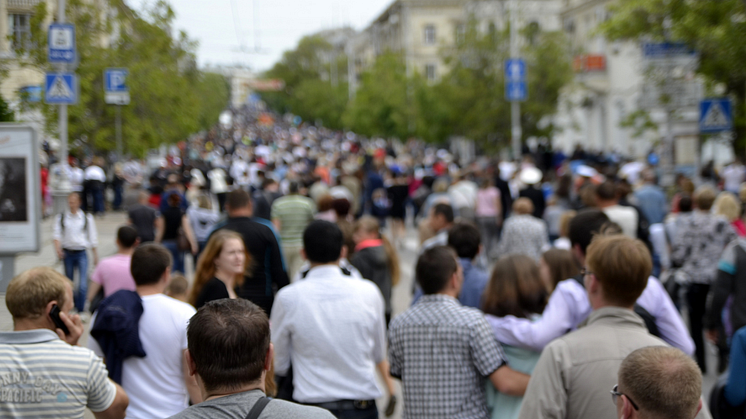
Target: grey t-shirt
{"x": 237, "y": 406}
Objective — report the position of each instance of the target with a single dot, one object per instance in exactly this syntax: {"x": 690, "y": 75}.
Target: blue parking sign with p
{"x": 116, "y": 80}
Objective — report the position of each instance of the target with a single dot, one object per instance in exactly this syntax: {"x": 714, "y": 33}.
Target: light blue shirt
{"x": 652, "y": 203}
{"x": 569, "y": 306}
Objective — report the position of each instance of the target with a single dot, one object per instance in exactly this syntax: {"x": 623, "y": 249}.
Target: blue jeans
{"x": 176, "y": 254}
{"x": 118, "y": 190}
{"x": 79, "y": 261}
{"x": 98, "y": 200}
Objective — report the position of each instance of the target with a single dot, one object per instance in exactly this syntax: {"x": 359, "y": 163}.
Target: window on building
{"x": 430, "y": 72}
{"x": 460, "y": 33}
{"x": 19, "y": 30}
{"x": 429, "y": 35}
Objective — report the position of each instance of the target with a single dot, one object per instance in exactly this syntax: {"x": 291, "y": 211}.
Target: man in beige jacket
{"x": 576, "y": 372}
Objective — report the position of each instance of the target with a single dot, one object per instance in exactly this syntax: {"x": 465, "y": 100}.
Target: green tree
{"x": 380, "y": 107}
{"x": 6, "y": 114}
{"x": 169, "y": 100}
{"x": 474, "y": 88}
{"x": 715, "y": 29}
{"x": 309, "y": 91}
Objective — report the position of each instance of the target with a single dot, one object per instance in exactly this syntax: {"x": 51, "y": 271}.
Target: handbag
{"x": 182, "y": 242}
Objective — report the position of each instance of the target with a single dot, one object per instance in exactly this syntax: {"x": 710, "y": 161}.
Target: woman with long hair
{"x": 557, "y": 265}
{"x": 727, "y": 205}
{"x": 376, "y": 258}
{"x": 221, "y": 268}
{"x": 515, "y": 289}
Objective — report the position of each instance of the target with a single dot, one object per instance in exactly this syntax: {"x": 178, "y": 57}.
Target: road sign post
{"x": 117, "y": 93}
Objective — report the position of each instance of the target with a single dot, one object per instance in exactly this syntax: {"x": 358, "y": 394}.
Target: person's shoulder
{"x": 285, "y": 409}
{"x": 177, "y": 307}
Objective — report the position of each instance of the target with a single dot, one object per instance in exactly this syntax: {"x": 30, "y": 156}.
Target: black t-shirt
{"x": 143, "y": 217}
{"x": 213, "y": 289}
{"x": 172, "y": 221}
{"x": 267, "y": 271}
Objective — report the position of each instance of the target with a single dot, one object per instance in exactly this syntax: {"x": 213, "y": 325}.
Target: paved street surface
{"x": 107, "y": 228}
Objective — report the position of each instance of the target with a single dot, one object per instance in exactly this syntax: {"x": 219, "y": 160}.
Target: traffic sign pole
{"x": 64, "y": 187}
{"x": 515, "y": 106}
{"x": 120, "y": 148}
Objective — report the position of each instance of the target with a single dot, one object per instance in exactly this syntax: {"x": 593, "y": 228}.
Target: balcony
{"x": 23, "y": 4}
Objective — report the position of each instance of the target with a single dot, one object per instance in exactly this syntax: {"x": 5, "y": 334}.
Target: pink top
{"x": 113, "y": 273}
{"x": 487, "y": 202}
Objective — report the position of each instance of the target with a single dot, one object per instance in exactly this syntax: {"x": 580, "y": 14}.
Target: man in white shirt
{"x": 74, "y": 233}
{"x": 159, "y": 384}
{"x": 733, "y": 175}
{"x": 331, "y": 328}
{"x": 464, "y": 196}
{"x": 95, "y": 179}
{"x": 626, "y": 217}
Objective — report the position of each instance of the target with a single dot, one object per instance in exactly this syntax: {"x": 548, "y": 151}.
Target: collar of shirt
{"x": 324, "y": 272}
{"x": 465, "y": 264}
{"x": 438, "y": 298}
{"x": 615, "y": 316}
{"x": 28, "y": 336}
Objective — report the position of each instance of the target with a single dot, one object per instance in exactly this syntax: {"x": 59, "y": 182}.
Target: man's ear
{"x": 343, "y": 254}
{"x": 269, "y": 358}
{"x": 303, "y": 254}
{"x": 191, "y": 365}
{"x": 699, "y": 408}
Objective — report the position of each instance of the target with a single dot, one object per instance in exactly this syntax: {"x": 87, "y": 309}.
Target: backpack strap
{"x": 258, "y": 408}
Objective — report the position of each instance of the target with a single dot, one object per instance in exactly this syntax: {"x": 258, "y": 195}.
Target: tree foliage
{"x": 715, "y": 29}
{"x": 6, "y": 114}
{"x": 309, "y": 90}
{"x": 171, "y": 99}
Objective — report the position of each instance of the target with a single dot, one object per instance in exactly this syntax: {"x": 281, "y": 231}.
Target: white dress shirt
{"x": 332, "y": 328}
{"x": 76, "y": 236}
{"x": 569, "y": 306}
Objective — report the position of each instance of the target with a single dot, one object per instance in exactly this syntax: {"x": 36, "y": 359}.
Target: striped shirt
{"x": 43, "y": 377}
{"x": 294, "y": 212}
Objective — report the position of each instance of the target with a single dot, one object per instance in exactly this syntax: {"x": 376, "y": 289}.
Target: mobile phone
{"x": 54, "y": 313}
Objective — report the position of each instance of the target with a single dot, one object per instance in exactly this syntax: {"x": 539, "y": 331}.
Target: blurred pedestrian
{"x": 523, "y": 233}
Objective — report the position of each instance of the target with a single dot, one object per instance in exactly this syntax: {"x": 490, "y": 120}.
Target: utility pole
{"x": 64, "y": 187}
{"x": 120, "y": 147}
{"x": 669, "y": 171}
{"x": 515, "y": 106}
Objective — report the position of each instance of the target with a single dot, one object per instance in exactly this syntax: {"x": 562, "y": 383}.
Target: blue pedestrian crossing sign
{"x": 715, "y": 115}
{"x": 61, "y": 89}
{"x": 516, "y": 88}
{"x": 61, "y": 38}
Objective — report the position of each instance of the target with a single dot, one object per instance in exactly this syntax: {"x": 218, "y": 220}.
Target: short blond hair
{"x": 727, "y": 205}
{"x": 622, "y": 265}
{"x": 523, "y": 206}
{"x": 663, "y": 381}
{"x": 704, "y": 196}
{"x": 29, "y": 293}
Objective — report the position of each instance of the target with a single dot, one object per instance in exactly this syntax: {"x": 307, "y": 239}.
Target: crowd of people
{"x": 256, "y": 271}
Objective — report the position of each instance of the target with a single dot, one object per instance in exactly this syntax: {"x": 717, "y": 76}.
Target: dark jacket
{"x": 117, "y": 330}
{"x": 730, "y": 282}
{"x": 372, "y": 262}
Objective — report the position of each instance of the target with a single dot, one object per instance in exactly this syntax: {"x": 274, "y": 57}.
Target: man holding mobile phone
{"x": 49, "y": 375}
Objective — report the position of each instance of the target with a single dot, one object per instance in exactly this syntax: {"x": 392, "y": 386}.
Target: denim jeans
{"x": 118, "y": 190}
{"x": 79, "y": 261}
{"x": 176, "y": 254}
{"x": 98, "y": 200}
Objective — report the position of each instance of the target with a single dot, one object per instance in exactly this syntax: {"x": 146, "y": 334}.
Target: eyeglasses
{"x": 615, "y": 393}
{"x": 585, "y": 272}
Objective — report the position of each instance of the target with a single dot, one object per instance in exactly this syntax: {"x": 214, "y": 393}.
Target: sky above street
{"x": 224, "y": 27}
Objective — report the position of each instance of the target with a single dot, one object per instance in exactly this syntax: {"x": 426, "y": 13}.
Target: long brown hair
{"x": 370, "y": 225}
{"x": 206, "y": 265}
{"x": 515, "y": 288}
{"x": 562, "y": 265}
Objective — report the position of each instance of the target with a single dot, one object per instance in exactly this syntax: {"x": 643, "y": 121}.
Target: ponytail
{"x": 393, "y": 260}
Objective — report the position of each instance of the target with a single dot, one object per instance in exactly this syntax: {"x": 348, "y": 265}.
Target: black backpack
{"x": 648, "y": 318}
{"x": 62, "y": 222}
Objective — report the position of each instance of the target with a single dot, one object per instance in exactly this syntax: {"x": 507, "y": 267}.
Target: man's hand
{"x": 74, "y": 325}
{"x": 60, "y": 254}
{"x": 712, "y": 335}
